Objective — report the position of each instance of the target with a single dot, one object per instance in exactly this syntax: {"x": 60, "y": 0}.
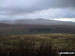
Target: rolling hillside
{"x": 36, "y": 26}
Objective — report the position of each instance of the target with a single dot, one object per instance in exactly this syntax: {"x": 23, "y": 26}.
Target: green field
{"x": 36, "y": 44}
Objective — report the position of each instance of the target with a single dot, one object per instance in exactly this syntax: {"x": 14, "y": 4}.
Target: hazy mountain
{"x": 7, "y": 21}
{"x": 36, "y": 26}
{"x": 38, "y": 21}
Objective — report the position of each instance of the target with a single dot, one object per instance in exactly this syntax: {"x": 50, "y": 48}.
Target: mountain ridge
{"x": 38, "y": 21}
{"x": 36, "y": 26}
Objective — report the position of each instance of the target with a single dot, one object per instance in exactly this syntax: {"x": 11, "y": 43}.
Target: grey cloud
{"x": 26, "y": 6}
{"x": 61, "y": 3}
{"x": 12, "y": 8}
{"x": 50, "y": 13}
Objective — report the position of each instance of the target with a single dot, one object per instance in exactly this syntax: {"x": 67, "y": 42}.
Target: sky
{"x": 32, "y": 9}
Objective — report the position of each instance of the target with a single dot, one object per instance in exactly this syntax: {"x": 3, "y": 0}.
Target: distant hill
{"x": 24, "y": 26}
{"x": 38, "y": 21}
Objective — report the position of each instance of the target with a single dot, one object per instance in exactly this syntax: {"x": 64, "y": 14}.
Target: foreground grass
{"x": 36, "y": 44}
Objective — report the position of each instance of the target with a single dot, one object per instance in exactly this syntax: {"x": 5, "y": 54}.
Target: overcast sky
{"x": 29, "y": 9}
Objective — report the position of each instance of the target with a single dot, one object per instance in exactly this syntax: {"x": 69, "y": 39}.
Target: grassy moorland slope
{"x": 36, "y": 44}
